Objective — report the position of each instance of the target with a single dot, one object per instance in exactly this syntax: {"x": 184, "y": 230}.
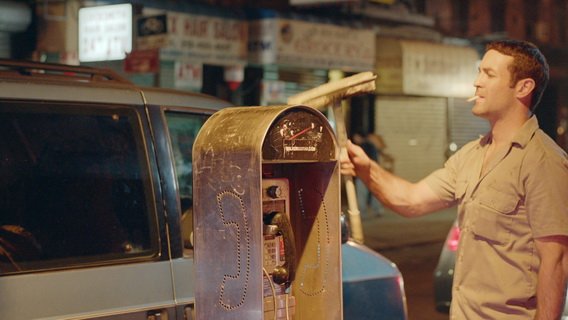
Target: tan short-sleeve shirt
{"x": 522, "y": 195}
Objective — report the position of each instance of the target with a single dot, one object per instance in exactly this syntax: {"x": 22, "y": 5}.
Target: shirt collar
{"x": 521, "y": 138}
{"x": 526, "y": 132}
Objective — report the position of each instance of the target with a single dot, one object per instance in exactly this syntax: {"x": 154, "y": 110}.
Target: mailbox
{"x": 267, "y": 215}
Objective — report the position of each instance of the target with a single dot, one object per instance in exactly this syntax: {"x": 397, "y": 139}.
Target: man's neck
{"x": 502, "y": 133}
{"x": 504, "y": 129}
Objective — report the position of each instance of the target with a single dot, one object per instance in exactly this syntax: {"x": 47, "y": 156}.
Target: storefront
{"x": 186, "y": 46}
{"x": 197, "y": 52}
{"x": 291, "y": 55}
{"x": 15, "y": 17}
{"x": 421, "y": 108}
{"x": 256, "y": 57}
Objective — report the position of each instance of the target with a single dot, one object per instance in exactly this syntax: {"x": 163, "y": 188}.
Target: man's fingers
{"x": 348, "y": 171}
{"x": 350, "y": 147}
{"x": 346, "y": 166}
{"x": 354, "y": 150}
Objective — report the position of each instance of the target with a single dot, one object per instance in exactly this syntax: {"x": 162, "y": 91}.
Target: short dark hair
{"x": 528, "y": 62}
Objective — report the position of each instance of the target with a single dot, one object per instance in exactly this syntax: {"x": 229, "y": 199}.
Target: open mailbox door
{"x": 330, "y": 95}
{"x": 267, "y": 215}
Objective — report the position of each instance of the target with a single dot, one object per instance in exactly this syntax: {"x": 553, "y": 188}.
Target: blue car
{"x": 373, "y": 287}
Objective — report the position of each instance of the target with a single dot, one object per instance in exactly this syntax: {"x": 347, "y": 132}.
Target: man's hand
{"x": 406, "y": 198}
{"x": 355, "y": 161}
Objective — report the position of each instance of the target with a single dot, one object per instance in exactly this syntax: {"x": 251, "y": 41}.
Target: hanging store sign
{"x": 153, "y": 25}
{"x": 142, "y": 61}
{"x": 201, "y": 38}
{"x": 188, "y": 76}
{"x": 105, "y": 32}
{"x": 425, "y": 68}
{"x": 310, "y": 45}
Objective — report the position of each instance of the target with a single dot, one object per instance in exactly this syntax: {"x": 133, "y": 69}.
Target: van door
{"x": 79, "y": 221}
{"x": 175, "y": 130}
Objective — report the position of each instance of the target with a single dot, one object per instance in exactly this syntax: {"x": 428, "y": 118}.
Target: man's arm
{"x": 406, "y": 198}
{"x": 552, "y": 277}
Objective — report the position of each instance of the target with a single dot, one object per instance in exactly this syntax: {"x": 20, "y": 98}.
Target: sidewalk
{"x": 393, "y": 231}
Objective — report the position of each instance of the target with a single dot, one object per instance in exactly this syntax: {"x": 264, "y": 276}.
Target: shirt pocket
{"x": 494, "y": 217}
{"x": 499, "y": 202}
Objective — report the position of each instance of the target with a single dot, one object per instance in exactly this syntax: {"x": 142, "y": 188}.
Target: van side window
{"x": 183, "y": 128}
{"x": 74, "y": 187}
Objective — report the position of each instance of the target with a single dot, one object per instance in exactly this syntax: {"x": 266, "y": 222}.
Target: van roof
{"x": 57, "y": 82}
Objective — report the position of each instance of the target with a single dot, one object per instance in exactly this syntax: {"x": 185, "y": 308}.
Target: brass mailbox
{"x": 267, "y": 215}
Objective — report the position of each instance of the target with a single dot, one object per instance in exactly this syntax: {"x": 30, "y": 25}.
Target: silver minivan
{"x": 95, "y": 192}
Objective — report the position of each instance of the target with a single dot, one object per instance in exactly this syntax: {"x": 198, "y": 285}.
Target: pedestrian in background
{"x": 510, "y": 187}
{"x": 369, "y": 206}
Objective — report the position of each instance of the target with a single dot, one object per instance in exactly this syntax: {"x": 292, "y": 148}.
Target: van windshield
{"x": 183, "y": 129}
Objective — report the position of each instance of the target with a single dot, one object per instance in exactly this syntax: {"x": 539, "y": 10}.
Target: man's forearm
{"x": 551, "y": 294}
{"x": 552, "y": 281}
{"x": 406, "y": 198}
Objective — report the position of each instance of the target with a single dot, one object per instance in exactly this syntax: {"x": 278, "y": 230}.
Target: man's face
{"x": 493, "y": 86}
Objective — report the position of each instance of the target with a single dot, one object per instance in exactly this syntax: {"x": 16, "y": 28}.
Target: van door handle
{"x": 157, "y": 315}
{"x": 188, "y": 312}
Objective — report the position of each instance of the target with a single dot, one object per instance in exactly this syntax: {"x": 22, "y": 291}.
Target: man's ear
{"x": 525, "y": 88}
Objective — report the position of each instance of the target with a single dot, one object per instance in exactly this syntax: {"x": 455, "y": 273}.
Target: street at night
{"x": 199, "y": 159}
{"x": 414, "y": 245}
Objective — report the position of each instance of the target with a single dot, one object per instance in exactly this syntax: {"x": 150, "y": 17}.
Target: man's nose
{"x": 477, "y": 82}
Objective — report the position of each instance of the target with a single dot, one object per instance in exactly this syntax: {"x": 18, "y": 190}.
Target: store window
{"x": 183, "y": 129}
{"x": 74, "y": 187}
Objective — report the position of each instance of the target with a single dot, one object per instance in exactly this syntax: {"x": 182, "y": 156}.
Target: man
{"x": 511, "y": 189}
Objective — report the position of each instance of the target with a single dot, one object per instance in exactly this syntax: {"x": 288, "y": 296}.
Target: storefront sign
{"x": 199, "y": 38}
{"x": 425, "y": 69}
{"x": 105, "y": 32}
{"x": 142, "y": 61}
{"x": 188, "y": 76}
{"x": 273, "y": 92}
{"x": 311, "y": 45}
{"x": 154, "y": 25}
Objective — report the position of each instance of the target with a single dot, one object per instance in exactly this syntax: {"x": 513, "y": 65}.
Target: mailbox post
{"x": 266, "y": 210}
